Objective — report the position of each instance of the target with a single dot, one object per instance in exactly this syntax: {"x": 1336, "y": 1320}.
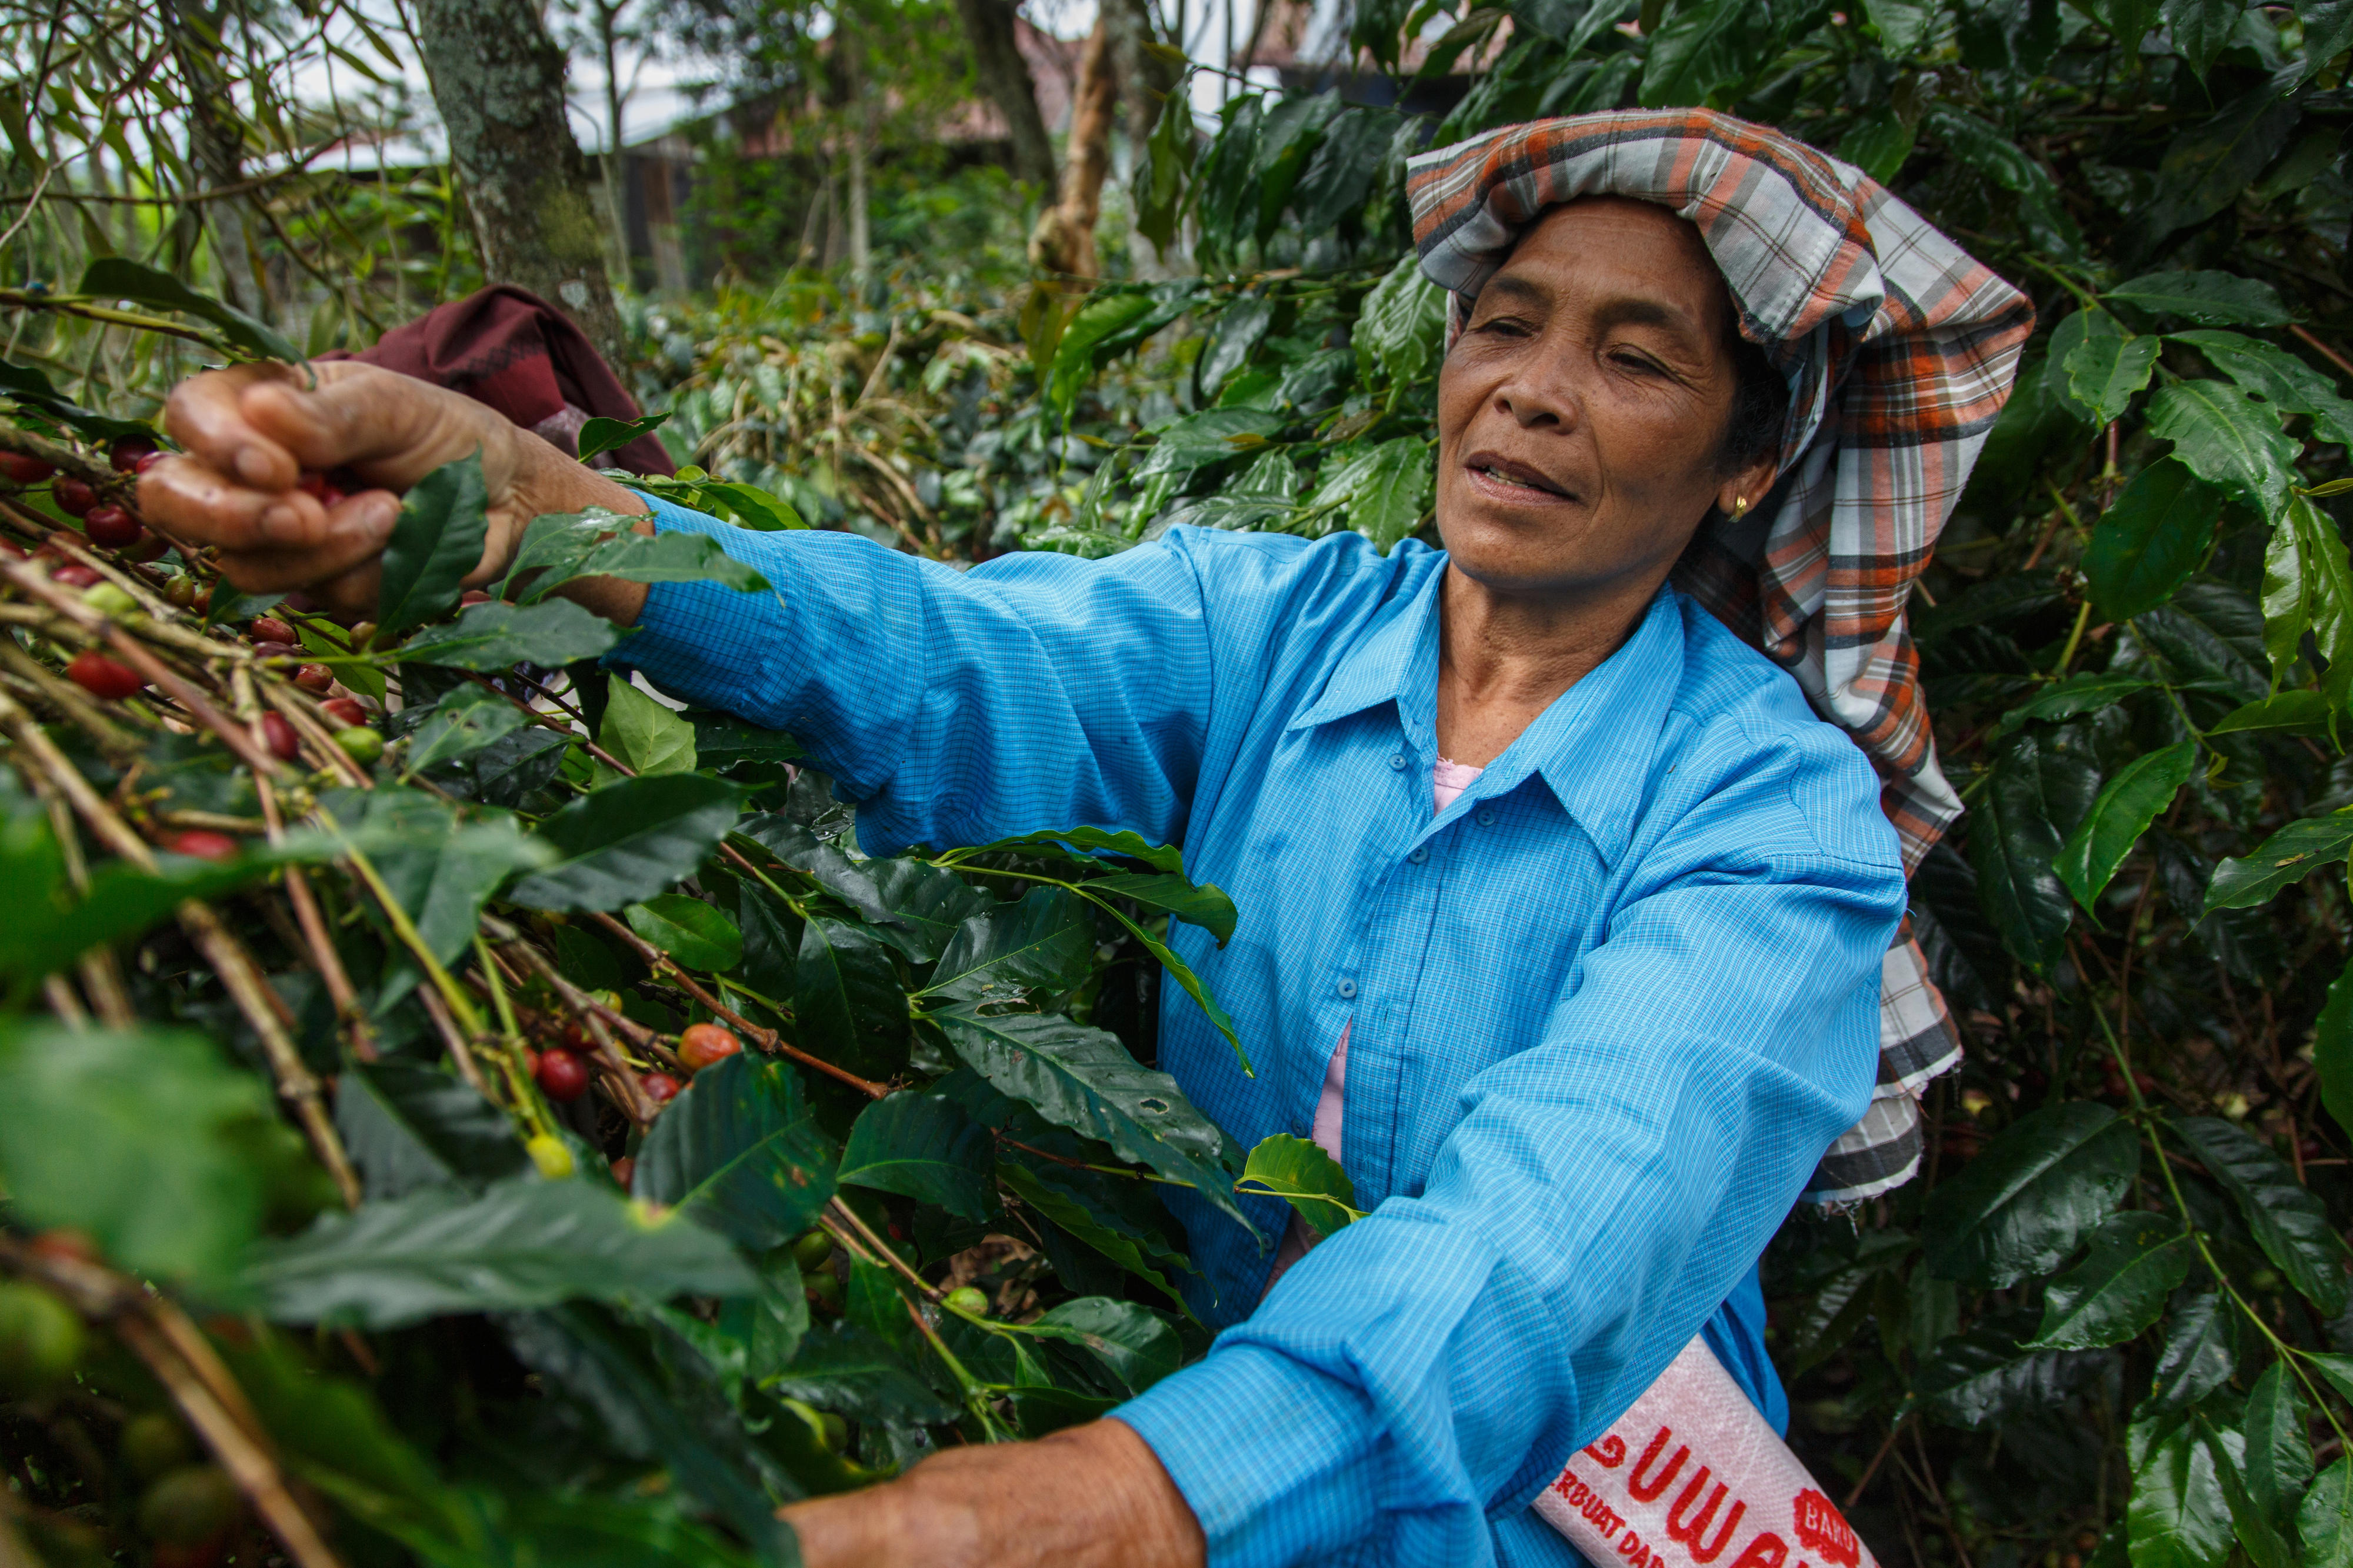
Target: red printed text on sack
{"x": 1823, "y": 1528}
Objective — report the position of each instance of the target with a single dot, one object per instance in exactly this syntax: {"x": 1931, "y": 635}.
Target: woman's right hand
{"x": 249, "y": 433}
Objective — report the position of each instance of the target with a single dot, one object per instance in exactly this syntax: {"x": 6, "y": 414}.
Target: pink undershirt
{"x": 1448, "y": 780}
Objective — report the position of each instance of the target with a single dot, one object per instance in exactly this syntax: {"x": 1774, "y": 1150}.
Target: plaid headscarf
{"x": 1899, "y": 349}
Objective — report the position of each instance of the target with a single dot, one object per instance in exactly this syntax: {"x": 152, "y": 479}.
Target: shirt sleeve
{"x": 1425, "y": 1371}
{"x": 1040, "y": 691}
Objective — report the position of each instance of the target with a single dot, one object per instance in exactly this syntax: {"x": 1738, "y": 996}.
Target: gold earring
{"x": 1739, "y": 505}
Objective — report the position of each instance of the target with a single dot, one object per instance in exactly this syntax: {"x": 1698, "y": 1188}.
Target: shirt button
{"x": 1397, "y": 761}
{"x": 1347, "y": 988}
{"x": 1419, "y": 853}
{"x": 1486, "y": 817}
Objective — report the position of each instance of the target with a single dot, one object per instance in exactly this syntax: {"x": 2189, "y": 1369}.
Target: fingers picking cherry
{"x": 203, "y": 844}
{"x": 103, "y": 677}
{"x": 562, "y": 1077}
{"x": 280, "y": 736}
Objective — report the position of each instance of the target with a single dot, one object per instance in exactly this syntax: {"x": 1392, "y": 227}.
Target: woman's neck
{"x": 1504, "y": 658}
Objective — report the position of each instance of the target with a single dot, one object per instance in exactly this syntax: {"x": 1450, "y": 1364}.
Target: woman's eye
{"x": 1637, "y": 363}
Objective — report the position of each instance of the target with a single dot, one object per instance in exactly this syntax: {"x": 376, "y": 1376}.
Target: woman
{"x": 1562, "y": 915}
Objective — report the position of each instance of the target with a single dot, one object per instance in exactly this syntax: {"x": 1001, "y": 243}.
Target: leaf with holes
{"x": 740, "y": 1154}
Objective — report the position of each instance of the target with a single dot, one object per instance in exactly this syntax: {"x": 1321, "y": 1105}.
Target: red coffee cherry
{"x": 270, "y": 628}
{"x": 74, "y": 575}
{"x": 126, "y": 453}
{"x": 700, "y": 1045}
{"x": 345, "y": 711}
{"x": 203, "y": 844}
{"x": 147, "y": 461}
{"x": 74, "y": 497}
{"x": 277, "y": 649}
{"x": 661, "y": 1087}
{"x": 101, "y": 676}
{"x": 112, "y": 527}
{"x": 284, "y": 743}
{"x": 624, "y": 1169}
{"x": 562, "y": 1077}
{"x": 314, "y": 677}
{"x": 20, "y": 469}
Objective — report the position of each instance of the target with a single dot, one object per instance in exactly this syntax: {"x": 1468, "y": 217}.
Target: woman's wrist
{"x": 543, "y": 481}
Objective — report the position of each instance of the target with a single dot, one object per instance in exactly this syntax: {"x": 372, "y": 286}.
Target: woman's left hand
{"x": 1090, "y": 1496}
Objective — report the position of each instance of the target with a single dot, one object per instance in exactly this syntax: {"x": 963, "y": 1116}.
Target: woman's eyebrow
{"x": 1633, "y": 310}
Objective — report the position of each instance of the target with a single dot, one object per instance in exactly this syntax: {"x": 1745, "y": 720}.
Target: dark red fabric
{"x": 511, "y": 350}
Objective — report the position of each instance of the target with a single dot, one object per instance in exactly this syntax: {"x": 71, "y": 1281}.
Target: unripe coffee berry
{"x": 700, "y": 1045}
{"x": 191, "y": 1505}
{"x": 562, "y": 1077}
{"x": 203, "y": 844}
{"x": 551, "y": 1154}
{"x": 279, "y": 737}
{"x": 154, "y": 1443}
{"x": 968, "y": 1299}
{"x": 360, "y": 744}
{"x": 102, "y": 678}
{"x": 112, "y": 527}
{"x": 109, "y": 600}
{"x": 811, "y": 1251}
{"x": 41, "y": 1339}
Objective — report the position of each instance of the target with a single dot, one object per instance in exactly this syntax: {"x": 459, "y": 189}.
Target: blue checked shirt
{"x": 1609, "y": 1008}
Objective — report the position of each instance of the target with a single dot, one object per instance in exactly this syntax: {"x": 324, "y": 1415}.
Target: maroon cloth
{"x": 515, "y": 351}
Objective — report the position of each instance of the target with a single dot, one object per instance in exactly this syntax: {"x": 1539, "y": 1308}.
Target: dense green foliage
{"x": 2111, "y": 1323}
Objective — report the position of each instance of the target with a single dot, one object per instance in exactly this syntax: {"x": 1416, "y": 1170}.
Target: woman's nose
{"x": 1542, "y": 394}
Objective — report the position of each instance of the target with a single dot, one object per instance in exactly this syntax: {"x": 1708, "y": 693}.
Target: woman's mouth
{"x": 1504, "y": 479}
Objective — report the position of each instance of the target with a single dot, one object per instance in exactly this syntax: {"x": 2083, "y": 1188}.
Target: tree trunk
{"x": 1065, "y": 239}
{"x": 218, "y": 150}
{"x": 1145, "y": 79}
{"x": 861, "y": 141}
{"x": 1004, "y": 76}
{"x": 608, "y": 36}
{"x": 498, "y": 80}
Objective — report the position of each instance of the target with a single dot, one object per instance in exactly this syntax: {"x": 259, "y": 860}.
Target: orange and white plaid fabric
{"x": 1899, "y": 349}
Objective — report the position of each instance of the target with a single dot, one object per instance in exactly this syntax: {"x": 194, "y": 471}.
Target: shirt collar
{"x": 1593, "y": 747}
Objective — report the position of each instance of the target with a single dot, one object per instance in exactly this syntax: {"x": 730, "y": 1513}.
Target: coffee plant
{"x": 460, "y": 1106}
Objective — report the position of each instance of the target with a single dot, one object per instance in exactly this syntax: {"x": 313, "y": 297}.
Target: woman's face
{"x": 1580, "y": 411}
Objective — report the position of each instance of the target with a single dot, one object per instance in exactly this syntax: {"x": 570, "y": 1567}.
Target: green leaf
{"x": 2000, "y": 161}
{"x": 1160, "y": 177}
{"x": 2107, "y": 370}
{"x": 408, "y": 1125}
{"x": 2202, "y": 29}
{"x": 30, "y": 388}
{"x": 1101, "y": 317}
{"x": 520, "y": 1244}
{"x": 2278, "y": 378}
{"x": 2015, "y": 840}
{"x": 2028, "y": 1198}
{"x": 724, "y": 740}
{"x": 924, "y": 1146}
{"x": 2085, "y": 693}
{"x": 692, "y": 931}
{"x": 754, "y": 1336}
{"x": 738, "y": 1152}
{"x": 1209, "y": 437}
{"x": 2137, "y": 1260}
{"x": 1705, "y": 51}
{"x": 1135, "y": 1344}
{"x": 439, "y": 868}
{"x": 2210, "y": 299}
{"x": 2292, "y": 854}
{"x": 1979, "y": 1378}
{"x": 1084, "y": 1079}
{"x": 1083, "y": 845}
{"x": 147, "y": 1140}
{"x": 48, "y": 930}
{"x": 1228, "y": 347}
{"x": 434, "y": 544}
{"x": 2332, "y": 1049}
{"x": 1045, "y": 942}
{"x": 1303, "y": 1175}
{"x": 2228, "y": 439}
{"x": 120, "y": 278}
{"x": 2149, "y": 541}
{"x": 2199, "y": 1353}
{"x": 644, "y": 733}
{"x": 2290, "y": 712}
{"x": 848, "y": 1000}
{"x": 1879, "y": 142}
{"x": 562, "y": 547}
{"x": 2279, "y": 1455}
{"x": 600, "y": 434}
{"x": 1384, "y": 489}
{"x": 2132, "y": 800}
{"x": 629, "y": 840}
{"x": 1401, "y": 331}
{"x": 1093, "y": 1215}
{"x": 852, "y": 1370}
{"x": 2326, "y": 1519}
{"x": 1206, "y": 906}
{"x": 496, "y": 636}
{"x": 460, "y": 724}
{"x": 2177, "y": 1517}
{"x": 2288, "y": 1219}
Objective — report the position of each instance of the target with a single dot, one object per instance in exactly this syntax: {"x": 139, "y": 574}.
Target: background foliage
{"x": 2109, "y": 1323}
